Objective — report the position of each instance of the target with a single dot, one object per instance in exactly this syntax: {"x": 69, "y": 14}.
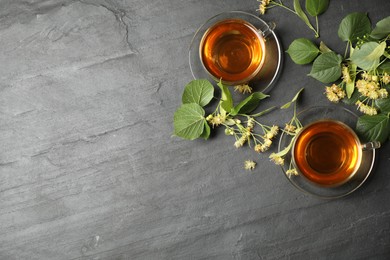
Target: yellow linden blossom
{"x": 346, "y": 76}
{"x": 249, "y": 165}
{"x": 334, "y": 93}
{"x": 216, "y": 120}
{"x": 292, "y": 172}
{"x": 290, "y": 128}
{"x": 368, "y": 110}
{"x": 385, "y": 78}
{"x": 243, "y": 89}
{"x": 276, "y": 159}
{"x": 263, "y": 5}
{"x": 383, "y": 93}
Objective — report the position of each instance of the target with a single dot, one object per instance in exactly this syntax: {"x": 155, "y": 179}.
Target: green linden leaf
{"x": 374, "y": 128}
{"x": 327, "y": 67}
{"x": 249, "y": 104}
{"x": 199, "y": 91}
{"x": 382, "y": 29}
{"x": 302, "y": 51}
{"x": 368, "y": 55}
{"x": 226, "y": 97}
{"x": 189, "y": 121}
{"x": 206, "y": 131}
{"x": 354, "y": 26}
{"x": 316, "y": 7}
{"x": 383, "y": 104}
{"x": 384, "y": 67}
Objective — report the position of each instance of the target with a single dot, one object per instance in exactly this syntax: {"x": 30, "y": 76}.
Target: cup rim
{"x": 356, "y": 138}
{"x": 256, "y": 30}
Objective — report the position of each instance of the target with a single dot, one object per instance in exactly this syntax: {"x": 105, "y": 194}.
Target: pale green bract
{"x": 368, "y": 55}
{"x": 249, "y": 104}
{"x": 382, "y": 29}
{"x": 189, "y": 121}
{"x": 198, "y": 91}
{"x": 226, "y": 97}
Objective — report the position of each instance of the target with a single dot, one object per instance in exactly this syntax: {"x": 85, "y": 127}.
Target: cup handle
{"x": 268, "y": 30}
{"x": 371, "y": 146}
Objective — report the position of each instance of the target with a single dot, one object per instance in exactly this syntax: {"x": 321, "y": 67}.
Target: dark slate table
{"x": 88, "y": 165}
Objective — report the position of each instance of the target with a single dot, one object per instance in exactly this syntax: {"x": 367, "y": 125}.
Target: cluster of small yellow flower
{"x": 265, "y": 144}
{"x": 334, "y": 93}
{"x": 369, "y": 86}
{"x": 216, "y": 120}
{"x": 263, "y": 5}
{"x": 245, "y": 88}
{"x": 249, "y": 165}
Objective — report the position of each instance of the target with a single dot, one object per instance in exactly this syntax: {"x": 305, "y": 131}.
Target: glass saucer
{"x": 273, "y": 61}
{"x": 349, "y": 118}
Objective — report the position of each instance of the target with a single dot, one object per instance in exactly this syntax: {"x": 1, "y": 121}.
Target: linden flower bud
{"x": 209, "y": 117}
{"x": 229, "y": 131}
{"x": 249, "y": 165}
{"x": 290, "y": 128}
{"x": 238, "y": 121}
{"x": 276, "y": 159}
{"x": 374, "y": 78}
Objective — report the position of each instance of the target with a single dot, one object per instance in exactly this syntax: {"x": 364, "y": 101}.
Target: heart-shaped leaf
{"x": 382, "y": 29}
{"x": 316, "y": 7}
{"x": 368, "y": 55}
{"x": 374, "y": 128}
{"x": 383, "y": 104}
{"x": 199, "y": 91}
{"x": 249, "y": 104}
{"x": 189, "y": 121}
{"x": 327, "y": 67}
{"x": 303, "y": 51}
{"x": 354, "y": 26}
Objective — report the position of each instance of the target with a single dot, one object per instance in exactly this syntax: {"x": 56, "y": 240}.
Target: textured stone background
{"x": 88, "y": 167}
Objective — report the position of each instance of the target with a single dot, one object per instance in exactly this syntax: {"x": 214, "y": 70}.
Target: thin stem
{"x": 346, "y": 50}
{"x": 318, "y": 29}
{"x": 283, "y": 6}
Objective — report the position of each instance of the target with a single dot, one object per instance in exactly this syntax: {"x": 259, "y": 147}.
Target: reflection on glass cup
{"x": 328, "y": 152}
{"x": 234, "y": 50}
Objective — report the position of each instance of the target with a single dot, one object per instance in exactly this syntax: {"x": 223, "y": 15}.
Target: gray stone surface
{"x": 88, "y": 167}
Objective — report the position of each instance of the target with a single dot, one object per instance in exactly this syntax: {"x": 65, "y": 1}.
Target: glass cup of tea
{"x": 233, "y": 48}
{"x": 328, "y": 152}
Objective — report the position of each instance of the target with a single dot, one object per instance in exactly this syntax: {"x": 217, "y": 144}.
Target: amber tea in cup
{"x": 327, "y": 153}
{"x": 232, "y": 50}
